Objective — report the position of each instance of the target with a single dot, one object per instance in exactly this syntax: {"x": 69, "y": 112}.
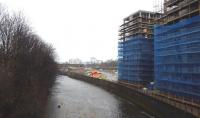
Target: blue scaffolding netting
{"x": 177, "y": 58}
{"x": 135, "y": 60}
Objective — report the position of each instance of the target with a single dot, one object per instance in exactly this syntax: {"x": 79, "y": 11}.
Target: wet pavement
{"x": 76, "y": 99}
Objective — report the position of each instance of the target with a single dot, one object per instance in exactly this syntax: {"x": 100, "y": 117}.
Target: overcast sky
{"x": 79, "y": 28}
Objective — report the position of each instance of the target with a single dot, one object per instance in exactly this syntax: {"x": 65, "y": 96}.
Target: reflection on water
{"x": 76, "y": 99}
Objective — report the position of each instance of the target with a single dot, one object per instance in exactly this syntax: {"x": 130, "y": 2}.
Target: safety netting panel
{"x": 135, "y": 60}
{"x": 177, "y": 58}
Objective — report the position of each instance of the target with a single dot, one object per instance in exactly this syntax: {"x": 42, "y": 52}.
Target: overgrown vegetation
{"x": 27, "y": 69}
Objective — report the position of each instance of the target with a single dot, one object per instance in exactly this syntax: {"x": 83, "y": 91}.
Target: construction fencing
{"x": 135, "y": 60}
{"x": 177, "y": 58}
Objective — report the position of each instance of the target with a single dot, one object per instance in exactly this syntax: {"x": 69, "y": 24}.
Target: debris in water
{"x": 59, "y": 106}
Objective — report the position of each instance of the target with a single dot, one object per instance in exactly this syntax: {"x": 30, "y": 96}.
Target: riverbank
{"x": 152, "y": 105}
{"x": 71, "y": 98}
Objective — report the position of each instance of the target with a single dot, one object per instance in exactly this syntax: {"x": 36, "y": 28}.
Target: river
{"x": 71, "y": 98}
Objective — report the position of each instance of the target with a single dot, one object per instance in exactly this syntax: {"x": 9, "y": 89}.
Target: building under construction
{"x": 177, "y": 10}
{"x": 135, "y": 48}
{"x": 177, "y": 49}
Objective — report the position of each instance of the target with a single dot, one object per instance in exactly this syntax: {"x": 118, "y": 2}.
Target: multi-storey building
{"x": 176, "y": 10}
{"x": 177, "y": 49}
{"x": 135, "y": 49}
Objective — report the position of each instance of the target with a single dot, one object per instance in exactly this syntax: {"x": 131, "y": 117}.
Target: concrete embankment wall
{"x": 152, "y": 106}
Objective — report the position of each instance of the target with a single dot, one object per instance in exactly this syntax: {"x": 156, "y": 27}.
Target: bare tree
{"x": 27, "y": 68}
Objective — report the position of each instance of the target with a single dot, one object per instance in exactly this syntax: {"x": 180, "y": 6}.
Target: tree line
{"x": 27, "y": 68}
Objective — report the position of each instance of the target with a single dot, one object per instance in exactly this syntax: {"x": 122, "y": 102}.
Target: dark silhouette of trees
{"x": 27, "y": 69}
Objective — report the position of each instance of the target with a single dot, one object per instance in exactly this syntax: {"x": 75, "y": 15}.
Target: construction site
{"x": 161, "y": 49}
{"x": 177, "y": 53}
{"x": 136, "y": 48}
{"x": 177, "y": 10}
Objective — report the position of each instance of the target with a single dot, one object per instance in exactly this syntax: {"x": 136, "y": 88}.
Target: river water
{"x": 71, "y": 98}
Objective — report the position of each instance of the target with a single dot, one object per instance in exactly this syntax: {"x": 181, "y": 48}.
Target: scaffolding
{"x": 177, "y": 55}
{"x": 135, "y": 60}
{"x": 135, "y": 48}
{"x": 177, "y": 10}
{"x": 139, "y": 23}
{"x": 158, "y": 6}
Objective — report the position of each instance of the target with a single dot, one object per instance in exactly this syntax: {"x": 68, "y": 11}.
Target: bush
{"x": 27, "y": 69}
